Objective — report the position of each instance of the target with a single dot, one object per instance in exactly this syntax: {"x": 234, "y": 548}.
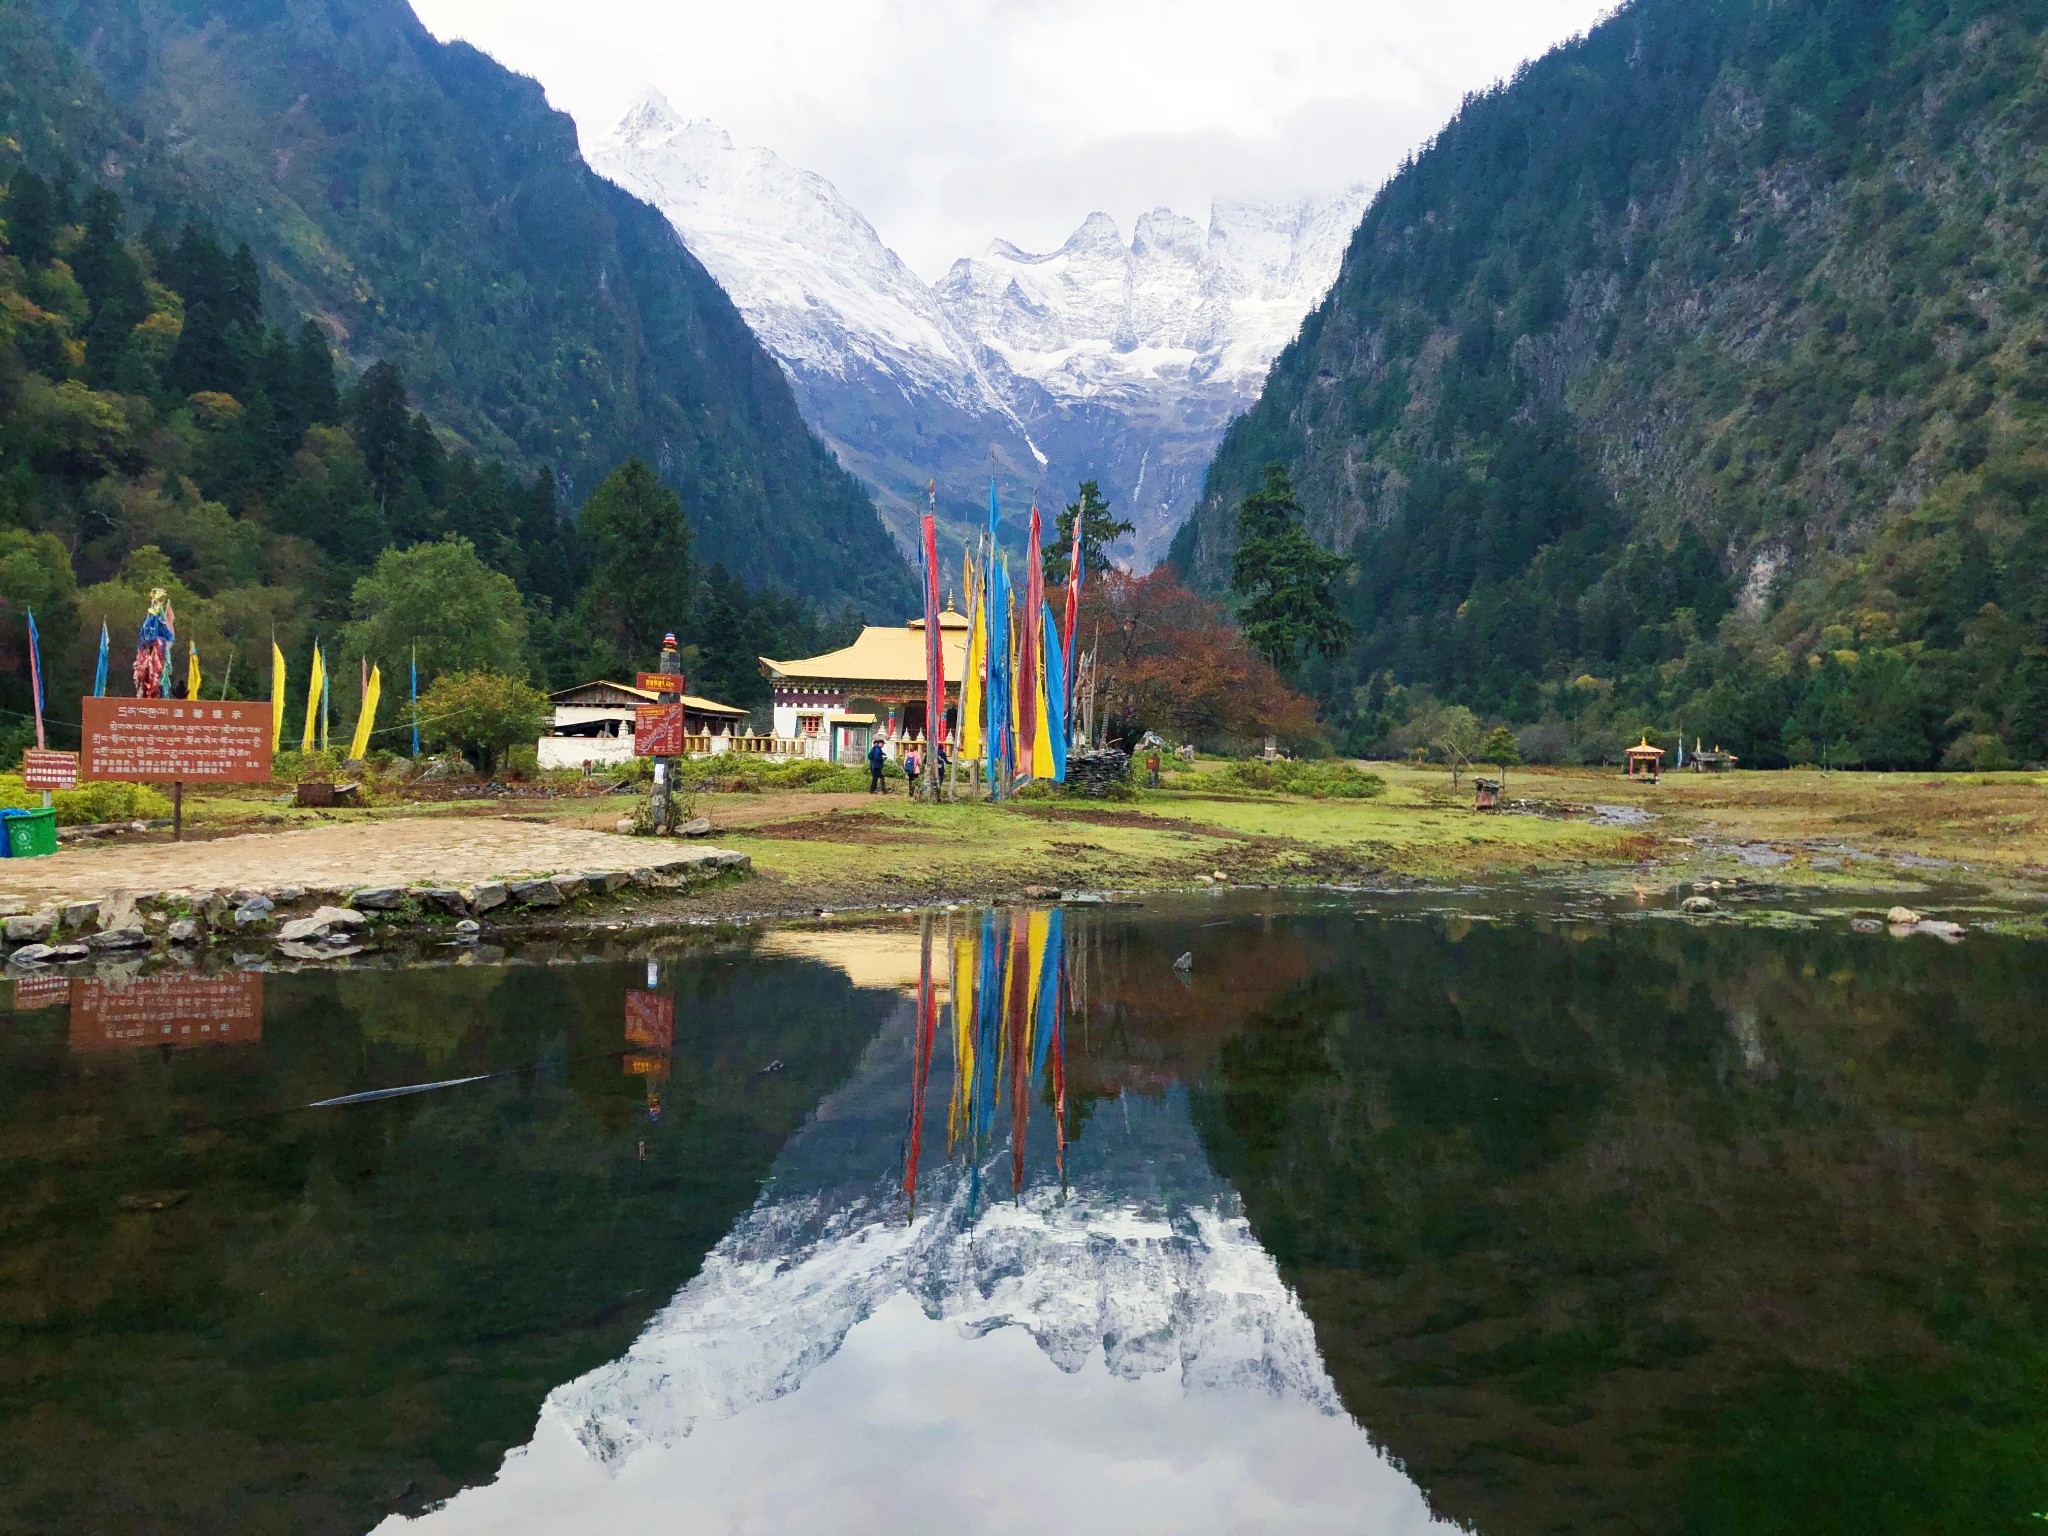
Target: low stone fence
{"x": 307, "y": 923}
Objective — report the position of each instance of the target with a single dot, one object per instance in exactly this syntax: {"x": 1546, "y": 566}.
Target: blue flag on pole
{"x": 99, "y": 676}
{"x": 415, "y": 703}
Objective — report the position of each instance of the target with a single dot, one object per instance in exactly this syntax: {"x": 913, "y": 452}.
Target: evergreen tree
{"x": 1099, "y": 530}
{"x": 31, "y": 218}
{"x": 382, "y": 428}
{"x": 1285, "y": 583}
{"x": 640, "y": 581}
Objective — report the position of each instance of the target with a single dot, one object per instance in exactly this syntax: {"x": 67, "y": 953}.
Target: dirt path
{"x": 404, "y": 851}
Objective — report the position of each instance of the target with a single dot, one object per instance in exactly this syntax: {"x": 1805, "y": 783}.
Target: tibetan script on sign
{"x": 658, "y": 730}
{"x": 166, "y": 1010}
{"x": 162, "y": 741}
{"x": 49, "y": 770}
{"x": 659, "y": 682}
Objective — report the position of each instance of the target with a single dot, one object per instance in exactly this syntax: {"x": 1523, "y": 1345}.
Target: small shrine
{"x": 1711, "y": 761}
{"x": 1643, "y": 760}
{"x": 1486, "y": 793}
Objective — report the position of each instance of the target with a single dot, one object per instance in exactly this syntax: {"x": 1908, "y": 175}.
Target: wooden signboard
{"x": 658, "y": 730}
{"x": 659, "y": 682}
{"x": 166, "y": 741}
{"x": 166, "y": 1010}
{"x": 651, "y": 1020}
{"x": 49, "y": 770}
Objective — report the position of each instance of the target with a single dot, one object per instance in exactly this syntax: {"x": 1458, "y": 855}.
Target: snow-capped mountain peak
{"x": 1101, "y": 359}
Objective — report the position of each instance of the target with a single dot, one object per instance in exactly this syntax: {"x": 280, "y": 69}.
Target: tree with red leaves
{"x": 1170, "y": 661}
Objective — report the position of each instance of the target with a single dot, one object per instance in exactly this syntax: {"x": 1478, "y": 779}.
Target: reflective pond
{"x": 1375, "y": 1216}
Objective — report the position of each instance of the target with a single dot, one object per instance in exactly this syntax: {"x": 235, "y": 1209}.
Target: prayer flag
{"x": 316, "y": 685}
{"x": 415, "y": 701}
{"x": 35, "y": 676}
{"x": 972, "y": 686}
{"x": 192, "y": 669}
{"x": 99, "y": 676}
{"x": 278, "y": 683}
{"x": 1056, "y": 669}
{"x": 367, "y": 716}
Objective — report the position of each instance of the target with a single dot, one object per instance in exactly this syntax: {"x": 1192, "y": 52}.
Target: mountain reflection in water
{"x": 1522, "y": 1221}
{"x": 853, "y": 1356}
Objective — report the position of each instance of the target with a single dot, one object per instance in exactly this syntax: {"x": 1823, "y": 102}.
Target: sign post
{"x": 168, "y": 741}
{"x": 658, "y": 733}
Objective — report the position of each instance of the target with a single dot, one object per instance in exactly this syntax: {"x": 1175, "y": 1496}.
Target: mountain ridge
{"x": 430, "y": 207}
{"x": 1100, "y": 359}
{"x": 1694, "y": 376}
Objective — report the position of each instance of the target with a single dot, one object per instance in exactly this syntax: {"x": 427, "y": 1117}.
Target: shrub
{"x": 1318, "y": 781}
{"x": 745, "y": 774}
{"x": 89, "y": 804}
{"x": 483, "y": 713}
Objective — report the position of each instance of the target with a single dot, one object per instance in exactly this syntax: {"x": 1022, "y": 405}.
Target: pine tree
{"x": 31, "y": 219}
{"x": 1285, "y": 583}
{"x": 1098, "y": 531}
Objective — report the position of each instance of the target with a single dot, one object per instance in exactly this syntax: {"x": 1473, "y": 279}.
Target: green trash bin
{"x": 30, "y": 834}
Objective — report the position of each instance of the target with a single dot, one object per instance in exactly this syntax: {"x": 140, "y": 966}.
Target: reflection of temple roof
{"x": 885, "y": 958}
{"x": 883, "y": 654}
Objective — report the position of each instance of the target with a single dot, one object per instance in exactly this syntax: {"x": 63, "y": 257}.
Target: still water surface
{"x": 1377, "y": 1219}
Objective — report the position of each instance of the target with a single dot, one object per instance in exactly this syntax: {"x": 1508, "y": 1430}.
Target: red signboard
{"x": 32, "y": 992}
{"x": 49, "y": 770}
{"x": 659, "y": 682}
{"x": 166, "y": 1010}
{"x": 658, "y": 730}
{"x": 651, "y": 1020}
{"x": 164, "y": 740}
{"x": 656, "y": 1067}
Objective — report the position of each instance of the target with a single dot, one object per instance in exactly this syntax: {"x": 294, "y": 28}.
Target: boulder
{"x": 32, "y": 927}
{"x": 69, "y": 952}
{"x": 183, "y": 930}
{"x": 441, "y": 898}
{"x": 482, "y": 898}
{"x": 129, "y": 936}
{"x": 571, "y": 886}
{"x": 77, "y": 916}
{"x": 378, "y": 898}
{"x": 119, "y": 909}
{"x": 1699, "y": 904}
{"x": 256, "y": 909}
{"x": 696, "y": 826}
{"x": 468, "y": 929}
{"x": 623, "y": 826}
{"x": 285, "y": 895}
{"x": 534, "y": 893}
{"x": 609, "y": 880}
{"x": 324, "y": 923}
{"x": 1041, "y": 893}
{"x": 1938, "y": 928}
{"x": 31, "y": 954}
{"x": 1902, "y": 917}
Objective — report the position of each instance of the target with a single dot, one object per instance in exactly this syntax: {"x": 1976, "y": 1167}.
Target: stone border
{"x": 324, "y": 923}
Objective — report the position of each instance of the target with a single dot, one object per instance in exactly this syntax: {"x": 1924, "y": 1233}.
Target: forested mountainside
{"x": 1696, "y": 379}
{"x": 427, "y": 207}
{"x": 155, "y": 430}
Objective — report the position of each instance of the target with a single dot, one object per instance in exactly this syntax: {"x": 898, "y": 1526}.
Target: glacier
{"x": 1106, "y": 360}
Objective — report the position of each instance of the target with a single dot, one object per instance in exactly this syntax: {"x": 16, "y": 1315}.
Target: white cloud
{"x": 950, "y": 124}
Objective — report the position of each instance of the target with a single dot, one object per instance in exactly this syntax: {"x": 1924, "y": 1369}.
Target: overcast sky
{"x": 951, "y": 122}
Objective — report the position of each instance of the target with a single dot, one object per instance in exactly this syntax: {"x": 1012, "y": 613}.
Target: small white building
{"x": 593, "y": 725}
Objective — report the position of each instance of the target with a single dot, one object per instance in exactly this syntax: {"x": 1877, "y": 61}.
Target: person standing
{"x": 878, "y": 764}
{"x": 910, "y": 773}
{"x": 1152, "y": 769}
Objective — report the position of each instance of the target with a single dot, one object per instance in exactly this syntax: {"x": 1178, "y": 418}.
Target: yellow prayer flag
{"x": 278, "y": 677}
{"x": 1041, "y": 741}
{"x": 972, "y": 697}
{"x": 367, "y": 716}
{"x": 314, "y": 685}
{"x": 192, "y": 670}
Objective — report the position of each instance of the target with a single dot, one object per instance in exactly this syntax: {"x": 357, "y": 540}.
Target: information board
{"x": 162, "y": 741}
{"x": 166, "y": 1010}
{"x": 42, "y": 769}
{"x": 31, "y": 992}
{"x": 658, "y": 730}
{"x": 659, "y": 682}
{"x": 651, "y": 1020}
